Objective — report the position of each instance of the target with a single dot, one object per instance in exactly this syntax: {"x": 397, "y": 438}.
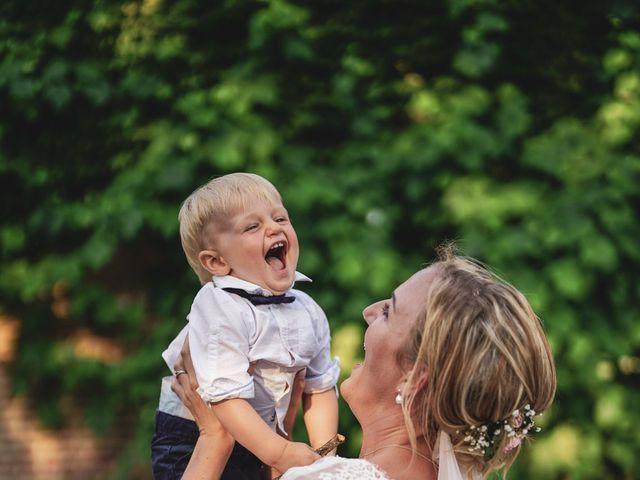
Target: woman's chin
{"x": 348, "y": 386}
{"x": 344, "y": 389}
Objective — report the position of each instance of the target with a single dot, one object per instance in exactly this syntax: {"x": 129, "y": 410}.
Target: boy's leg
{"x": 172, "y": 445}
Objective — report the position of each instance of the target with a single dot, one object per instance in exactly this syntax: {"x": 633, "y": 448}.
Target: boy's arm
{"x": 320, "y": 401}
{"x": 247, "y": 427}
{"x": 320, "y": 412}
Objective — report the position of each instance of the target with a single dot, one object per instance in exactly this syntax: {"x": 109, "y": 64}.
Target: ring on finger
{"x": 177, "y": 373}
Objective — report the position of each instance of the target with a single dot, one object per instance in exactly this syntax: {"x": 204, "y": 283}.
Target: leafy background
{"x": 511, "y": 127}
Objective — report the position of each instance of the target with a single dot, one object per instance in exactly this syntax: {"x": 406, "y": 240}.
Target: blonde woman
{"x": 457, "y": 368}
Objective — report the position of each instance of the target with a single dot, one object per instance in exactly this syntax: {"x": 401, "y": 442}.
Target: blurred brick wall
{"x": 31, "y": 452}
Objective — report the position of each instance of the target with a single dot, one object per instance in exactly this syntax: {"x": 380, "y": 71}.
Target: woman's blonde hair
{"x": 208, "y": 209}
{"x": 478, "y": 353}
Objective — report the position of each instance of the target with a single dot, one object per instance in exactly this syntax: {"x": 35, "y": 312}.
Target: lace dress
{"x": 336, "y": 468}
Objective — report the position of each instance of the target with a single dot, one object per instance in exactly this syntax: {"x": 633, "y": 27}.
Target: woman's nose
{"x": 369, "y": 314}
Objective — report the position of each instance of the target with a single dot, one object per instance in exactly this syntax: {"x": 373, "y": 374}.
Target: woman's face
{"x": 375, "y": 381}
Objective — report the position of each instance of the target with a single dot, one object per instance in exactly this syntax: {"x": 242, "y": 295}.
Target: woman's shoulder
{"x": 337, "y": 468}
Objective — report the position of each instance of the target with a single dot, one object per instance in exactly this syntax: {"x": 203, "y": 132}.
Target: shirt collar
{"x": 226, "y": 281}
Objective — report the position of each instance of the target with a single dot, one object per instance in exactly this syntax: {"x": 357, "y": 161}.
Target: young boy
{"x": 249, "y": 334}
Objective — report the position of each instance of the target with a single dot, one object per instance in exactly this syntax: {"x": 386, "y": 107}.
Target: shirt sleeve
{"x": 219, "y": 344}
{"x": 323, "y": 371}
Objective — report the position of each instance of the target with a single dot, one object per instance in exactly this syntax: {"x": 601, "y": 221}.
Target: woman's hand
{"x": 185, "y": 385}
{"x": 214, "y": 444}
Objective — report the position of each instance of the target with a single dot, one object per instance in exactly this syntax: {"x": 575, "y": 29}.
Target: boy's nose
{"x": 273, "y": 227}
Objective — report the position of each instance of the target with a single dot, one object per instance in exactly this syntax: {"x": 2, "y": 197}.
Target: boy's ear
{"x": 213, "y": 263}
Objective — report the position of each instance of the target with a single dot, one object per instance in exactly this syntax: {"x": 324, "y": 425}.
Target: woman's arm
{"x": 214, "y": 444}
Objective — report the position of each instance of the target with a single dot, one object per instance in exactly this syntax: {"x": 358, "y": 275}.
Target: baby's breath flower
{"x": 483, "y": 438}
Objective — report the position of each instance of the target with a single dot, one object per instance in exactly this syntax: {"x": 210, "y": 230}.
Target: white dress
{"x": 336, "y": 468}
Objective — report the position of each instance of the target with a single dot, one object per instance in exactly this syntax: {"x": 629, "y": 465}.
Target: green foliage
{"x": 388, "y": 127}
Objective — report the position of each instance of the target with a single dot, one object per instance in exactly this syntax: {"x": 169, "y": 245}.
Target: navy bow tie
{"x": 259, "y": 299}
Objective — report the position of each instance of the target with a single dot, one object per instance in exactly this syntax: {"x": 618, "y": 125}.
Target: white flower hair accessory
{"x": 483, "y": 438}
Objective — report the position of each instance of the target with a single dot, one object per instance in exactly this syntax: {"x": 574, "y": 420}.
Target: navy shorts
{"x": 172, "y": 445}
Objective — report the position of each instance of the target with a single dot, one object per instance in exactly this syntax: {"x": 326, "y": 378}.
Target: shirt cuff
{"x": 324, "y": 381}
{"x": 212, "y": 394}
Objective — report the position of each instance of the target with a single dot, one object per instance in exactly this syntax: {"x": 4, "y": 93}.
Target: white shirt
{"x": 227, "y": 333}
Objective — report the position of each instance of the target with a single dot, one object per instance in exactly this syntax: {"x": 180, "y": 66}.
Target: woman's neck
{"x": 386, "y": 443}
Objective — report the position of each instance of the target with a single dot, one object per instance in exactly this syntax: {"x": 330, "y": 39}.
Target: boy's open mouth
{"x": 276, "y": 255}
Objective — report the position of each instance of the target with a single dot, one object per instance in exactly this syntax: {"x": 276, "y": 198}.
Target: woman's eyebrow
{"x": 393, "y": 301}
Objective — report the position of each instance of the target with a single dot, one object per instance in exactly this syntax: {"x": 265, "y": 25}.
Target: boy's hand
{"x": 295, "y": 454}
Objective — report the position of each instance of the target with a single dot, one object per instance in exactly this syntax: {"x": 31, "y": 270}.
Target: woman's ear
{"x": 421, "y": 380}
{"x": 213, "y": 263}
{"x": 418, "y": 382}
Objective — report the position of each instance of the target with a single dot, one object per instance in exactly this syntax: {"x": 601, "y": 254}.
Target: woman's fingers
{"x": 181, "y": 384}
{"x": 178, "y": 371}
{"x": 187, "y": 364}
{"x": 178, "y": 389}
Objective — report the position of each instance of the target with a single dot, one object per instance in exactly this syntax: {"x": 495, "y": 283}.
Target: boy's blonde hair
{"x": 478, "y": 353}
{"x": 208, "y": 209}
